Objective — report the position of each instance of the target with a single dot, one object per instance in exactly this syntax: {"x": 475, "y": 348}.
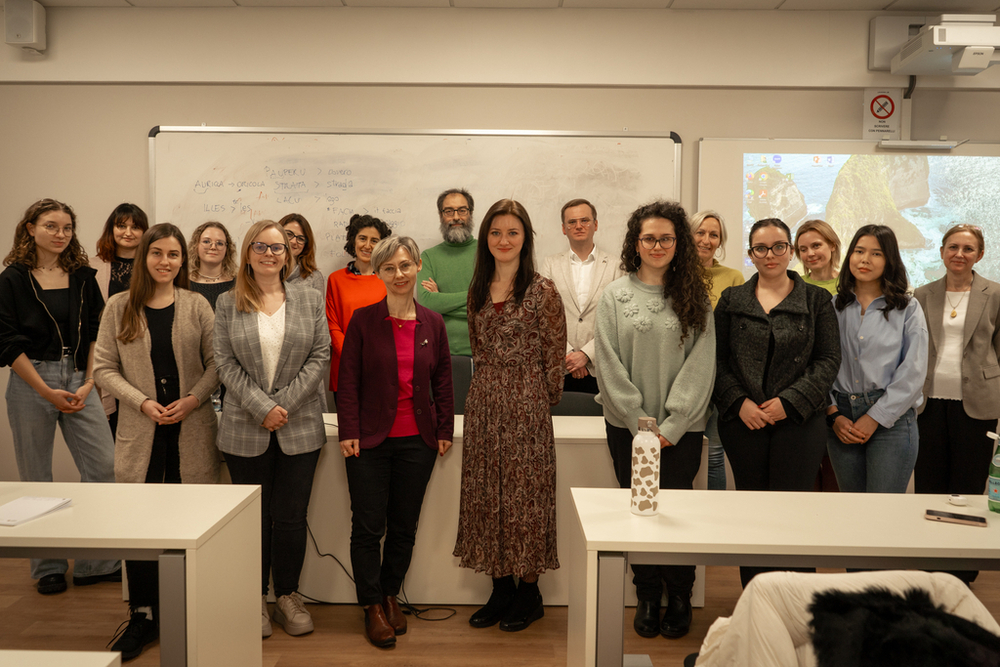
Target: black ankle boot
{"x": 647, "y": 618}
{"x": 677, "y": 618}
{"x": 497, "y": 606}
{"x": 526, "y": 609}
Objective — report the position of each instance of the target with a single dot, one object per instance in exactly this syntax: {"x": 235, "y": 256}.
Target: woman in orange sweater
{"x": 355, "y": 286}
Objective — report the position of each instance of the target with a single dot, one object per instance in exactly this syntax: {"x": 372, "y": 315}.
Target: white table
{"x": 884, "y": 531}
{"x": 60, "y": 659}
{"x": 205, "y": 537}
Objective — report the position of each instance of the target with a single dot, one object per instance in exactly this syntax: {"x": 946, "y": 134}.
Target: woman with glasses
{"x": 154, "y": 354}
{"x": 355, "y": 286}
{"x": 778, "y": 352}
{"x": 302, "y": 243}
{"x": 50, "y": 309}
{"x": 655, "y": 344}
{"x": 212, "y": 257}
{"x": 883, "y": 334}
{"x": 396, "y": 415}
{"x": 115, "y": 251}
{"x": 271, "y": 348}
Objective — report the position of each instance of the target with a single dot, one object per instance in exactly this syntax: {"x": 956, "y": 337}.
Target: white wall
{"x": 74, "y": 124}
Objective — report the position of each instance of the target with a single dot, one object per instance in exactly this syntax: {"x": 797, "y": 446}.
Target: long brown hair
{"x": 482, "y": 276}
{"x": 25, "y": 252}
{"x": 684, "y": 280}
{"x": 246, "y": 291}
{"x": 307, "y": 258}
{"x": 228, "y": 262}
{"x": 143, "y": 286}
{"x": 106, "y": 246}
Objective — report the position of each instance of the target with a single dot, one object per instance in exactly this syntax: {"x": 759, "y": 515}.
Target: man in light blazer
{"x": 580, "y": 275}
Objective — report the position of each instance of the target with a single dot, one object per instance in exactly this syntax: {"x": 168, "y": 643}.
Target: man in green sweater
{"x": 447, "y": 268}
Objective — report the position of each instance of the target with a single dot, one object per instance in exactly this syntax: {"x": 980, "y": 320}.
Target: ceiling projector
{"x": 950, "y": 44}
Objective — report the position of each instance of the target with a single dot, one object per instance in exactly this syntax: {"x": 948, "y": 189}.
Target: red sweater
{"x": 345, "y": 293}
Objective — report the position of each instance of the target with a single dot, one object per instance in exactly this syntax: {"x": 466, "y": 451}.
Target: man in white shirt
{"x": 580, "y": 275}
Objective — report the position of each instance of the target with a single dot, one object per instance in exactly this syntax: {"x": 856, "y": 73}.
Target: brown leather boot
{"x": 379, "y": 632}
{"x": 393, "y": 614}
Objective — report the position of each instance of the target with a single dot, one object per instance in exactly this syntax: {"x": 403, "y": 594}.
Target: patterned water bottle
{"x": 993, "y": 483}
{"x": 646, "y": 468}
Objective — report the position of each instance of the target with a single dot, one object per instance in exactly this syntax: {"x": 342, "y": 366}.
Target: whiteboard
{"x": 920, "y": 194}
{"x": 240, "y": 175}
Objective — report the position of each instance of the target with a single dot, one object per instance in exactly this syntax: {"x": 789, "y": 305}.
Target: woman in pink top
{"x": 355, "y": 286}
{"x": 396, "y": 411}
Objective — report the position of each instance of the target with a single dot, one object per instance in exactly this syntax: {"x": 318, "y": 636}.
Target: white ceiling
{"x": 922, "y": 6}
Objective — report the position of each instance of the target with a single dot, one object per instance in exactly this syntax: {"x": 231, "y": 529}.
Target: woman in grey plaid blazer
{"x": 271, "y": 349}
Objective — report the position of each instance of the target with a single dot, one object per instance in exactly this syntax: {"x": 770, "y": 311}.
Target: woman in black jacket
{"x": 778, "y": 352}
{"x": 50, "y": 307}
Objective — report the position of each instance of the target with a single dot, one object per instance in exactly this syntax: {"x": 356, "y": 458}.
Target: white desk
{"x": 205, "y": 537}
{"x": 434, "y": 577}
{"x": 885, "y": 531}
{"x": 60, "y": 659}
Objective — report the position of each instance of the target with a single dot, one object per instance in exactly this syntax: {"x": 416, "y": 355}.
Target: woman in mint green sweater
{"x": 655, "y": 348}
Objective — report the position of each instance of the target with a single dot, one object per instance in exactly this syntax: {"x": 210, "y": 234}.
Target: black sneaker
{"x": 139, "y": 632}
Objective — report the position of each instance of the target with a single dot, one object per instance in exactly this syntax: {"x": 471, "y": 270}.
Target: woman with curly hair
{"x": 655, "y": 345}
{"x": 873, "y": 414}
{"x": 302, "y": 243}
{"x": 50, "y": 311}
{"x": 353, "y": 287}
{"x": 212, "y": 259}
{"x": 517, "y": 327}
{"x": 777, "y": 352}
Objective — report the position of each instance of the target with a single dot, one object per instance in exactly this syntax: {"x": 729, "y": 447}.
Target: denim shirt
{"x": 883, "y": 354}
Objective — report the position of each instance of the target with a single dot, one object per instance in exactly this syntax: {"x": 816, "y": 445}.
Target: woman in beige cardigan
{"x": 154, "y": 354}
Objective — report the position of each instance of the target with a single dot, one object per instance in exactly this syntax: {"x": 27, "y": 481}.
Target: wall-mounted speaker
{"x": 24, "y": 24}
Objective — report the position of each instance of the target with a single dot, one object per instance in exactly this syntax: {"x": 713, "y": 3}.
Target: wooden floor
{"x": 85, "y": 619}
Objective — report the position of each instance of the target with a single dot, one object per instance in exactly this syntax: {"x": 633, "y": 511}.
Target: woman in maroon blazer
{"x": 395, "y": 411}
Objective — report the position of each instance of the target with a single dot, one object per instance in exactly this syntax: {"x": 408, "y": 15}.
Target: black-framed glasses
{"x": 461, "y": 210}
{"x": 276, "y": 248}
{"x": 665, "y": 242}
{"x": 760, "y": 251}
{"x": 292, "y": 236}
{"x": 209, "y": 243}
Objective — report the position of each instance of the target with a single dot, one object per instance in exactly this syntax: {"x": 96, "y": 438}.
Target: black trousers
{"x": 678, "y": 466}
{"x": 285, "y": 486}
{"x": 782, "y": 457}
{"x": 954, "y": 455}
{"x": 387, "y": 485}
{"x": 585, "y": 385}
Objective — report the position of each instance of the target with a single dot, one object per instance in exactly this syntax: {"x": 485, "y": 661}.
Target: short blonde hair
{"x": 388, "y": 246}
{"x": 702, "y": 216}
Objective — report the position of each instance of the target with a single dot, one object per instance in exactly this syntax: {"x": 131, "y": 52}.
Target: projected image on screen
{"x": 919, "y": 196}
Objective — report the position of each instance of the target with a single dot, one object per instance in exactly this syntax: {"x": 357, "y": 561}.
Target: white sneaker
{"x": 265, "y": 618}
{"x": 291, "y": 613}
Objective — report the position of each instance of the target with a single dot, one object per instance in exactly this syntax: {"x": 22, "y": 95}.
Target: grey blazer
{"x": 580, "y": 317}
{"x": 981, "y": 344}
{"x": 301, "y": 364}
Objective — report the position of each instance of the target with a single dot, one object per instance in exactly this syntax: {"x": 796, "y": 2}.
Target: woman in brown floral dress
{"x": 507, "y": 519}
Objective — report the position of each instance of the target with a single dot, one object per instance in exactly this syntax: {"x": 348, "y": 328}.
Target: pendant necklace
{"x": 954, "y": 306}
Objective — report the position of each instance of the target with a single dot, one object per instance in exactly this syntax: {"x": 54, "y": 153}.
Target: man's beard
{"x": 456, "y": 234}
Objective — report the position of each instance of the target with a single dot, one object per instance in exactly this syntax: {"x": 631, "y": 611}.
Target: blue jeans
{"x": 884, "y": 463}
{"x": 716, "y": 452}
{"x": 87, "y": 434}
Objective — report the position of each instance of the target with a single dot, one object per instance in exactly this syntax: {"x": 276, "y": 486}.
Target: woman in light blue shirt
{"x": 883, "y": 339}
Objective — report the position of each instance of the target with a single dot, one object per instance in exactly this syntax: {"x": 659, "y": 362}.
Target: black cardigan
{"x": 806, "y": 355}
{"x": 26, "y": 326}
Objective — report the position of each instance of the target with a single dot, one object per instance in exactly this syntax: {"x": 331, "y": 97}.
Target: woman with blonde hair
{"x": 212, "y": 259}
{"x": 817, "y": 246}
{"x": 154, "y": 354}
{"x": 50, "y": 310}
{"x": 272, "y": 345}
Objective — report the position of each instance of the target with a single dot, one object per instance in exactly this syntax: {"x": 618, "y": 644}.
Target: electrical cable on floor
{"x": 408, "y": 608}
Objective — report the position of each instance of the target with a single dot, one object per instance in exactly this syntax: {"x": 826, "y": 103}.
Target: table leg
{"x": 610, "y": 608}
{"x": 173, "y": 609}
